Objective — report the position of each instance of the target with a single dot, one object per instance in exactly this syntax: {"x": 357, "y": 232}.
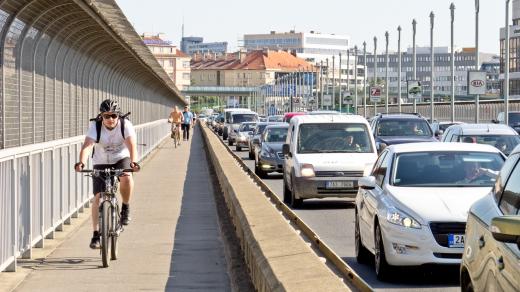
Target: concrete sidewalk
{"x": 172, "y": 244}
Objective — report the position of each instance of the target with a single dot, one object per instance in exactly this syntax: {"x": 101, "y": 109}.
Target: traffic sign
{"x": 414, "y": 89}
{"x": 375, "y": 93}
{"x": 476, "y": 82}
{"x": 327, "y": 99}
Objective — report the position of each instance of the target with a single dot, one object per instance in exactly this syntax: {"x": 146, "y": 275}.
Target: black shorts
{"x": 98, "y": 183}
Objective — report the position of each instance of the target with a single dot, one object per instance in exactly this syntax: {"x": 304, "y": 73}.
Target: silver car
{"x": 245, "y": 131}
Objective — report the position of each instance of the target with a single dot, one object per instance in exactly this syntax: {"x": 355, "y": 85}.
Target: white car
{"x": 325, "y": 156}
{"x": 412, "y": 209}
{"x": 501, "y": 136}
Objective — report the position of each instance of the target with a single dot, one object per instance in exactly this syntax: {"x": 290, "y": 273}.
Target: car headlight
{"x": 307, "y": 170}
{"x": 398, "y": 217}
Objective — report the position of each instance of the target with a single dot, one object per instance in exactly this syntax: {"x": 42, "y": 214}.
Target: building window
{"x": 186, "y": 64}
{"x": 186, "y": 76}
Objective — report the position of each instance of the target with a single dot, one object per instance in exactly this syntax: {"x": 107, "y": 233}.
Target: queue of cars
{"x": 417, "y": 201}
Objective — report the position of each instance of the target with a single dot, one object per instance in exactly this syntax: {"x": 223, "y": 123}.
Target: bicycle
{"x": 175, "y": 135}
{"x": 110, "y": 226}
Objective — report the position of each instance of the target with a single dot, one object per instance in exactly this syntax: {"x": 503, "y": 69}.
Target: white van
{"x": 227, "y": 119}
{"x": 325, "y": 156}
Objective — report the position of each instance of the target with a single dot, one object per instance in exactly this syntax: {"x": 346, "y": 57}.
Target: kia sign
{"x": 375, "y": 93}
{"x": 476, "y": 82}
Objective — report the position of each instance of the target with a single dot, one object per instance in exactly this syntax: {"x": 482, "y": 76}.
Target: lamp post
{"x": 432, "y": 68}
{"x": 365, "y": 79}
{"x": 414, "y": 61}
{"x": 375, "y": 71}
{"x": 387, "y": 88}
{"x": 452, "y": 8}
{"x": 399, "y": 87}
{"x": 327, "y": 78}
{"x": 333, "y": 82}
{"x": 506, "y": 67}
{"x": 340, "y": 85}
{"x": 477, "y": 58}
{"x": 321, "y": 84}
{"x": 355, "y": 81}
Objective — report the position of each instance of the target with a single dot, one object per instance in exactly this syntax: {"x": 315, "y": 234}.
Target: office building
{"x": 514, "y": 57}
{"x": 196, "y": 45}
{"x": 312, "y": 47}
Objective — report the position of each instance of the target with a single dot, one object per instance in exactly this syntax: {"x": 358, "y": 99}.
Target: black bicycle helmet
{"x": 109, "y": 105}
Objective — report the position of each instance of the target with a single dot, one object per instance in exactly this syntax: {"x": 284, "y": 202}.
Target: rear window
{"x": 504, "y": 143}
{"x": 241, "y": 118}
{"x": 334, "y": 138}
{"x": 403, "y": 127}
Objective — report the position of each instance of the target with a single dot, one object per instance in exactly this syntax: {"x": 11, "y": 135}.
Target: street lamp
{"x": 477, "y": 59}
{"x": 506, "y": 67}
{"x": 375, "y": 72}
{"x": 333, "y": 82}
{"x": 355, "y": 80}
{"x": 399, "y": 87}
{"x": 386, "y": 73}
{"x": 432, "y": 68}
{"x": 452, "y": 8}
{"x": 340, "y": 85}
{"x": 321, "y": 84}
{"x": 365, "y": 79}
{"x": 414, "y": 61}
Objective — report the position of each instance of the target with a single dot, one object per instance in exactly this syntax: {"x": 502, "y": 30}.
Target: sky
{"x": 229, "y": 20}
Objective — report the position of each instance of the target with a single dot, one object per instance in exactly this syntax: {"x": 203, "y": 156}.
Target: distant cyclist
{"x": 187, "y": 122}
{"x": 113, "y": 147}
{"x": 177, "y": 118}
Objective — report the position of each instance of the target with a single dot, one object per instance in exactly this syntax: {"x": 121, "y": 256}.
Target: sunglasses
{"x": 108, "y": 116}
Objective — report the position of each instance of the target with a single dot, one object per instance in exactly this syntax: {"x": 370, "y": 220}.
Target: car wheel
{"x": 238, "y": 148}
{"x": 382, "y": 266}
{"x": 287, "y": 194}
{"x": 362, "y": 253}
{"x": 230, "y": 143}
{"x": 295, "y": 203}
{"x": 465, "y": 283}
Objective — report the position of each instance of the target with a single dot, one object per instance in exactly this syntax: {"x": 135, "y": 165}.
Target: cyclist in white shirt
{"x": 113, "y": 148}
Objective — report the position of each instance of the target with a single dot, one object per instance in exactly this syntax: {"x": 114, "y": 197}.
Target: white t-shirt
{"x": 111, "y": 147}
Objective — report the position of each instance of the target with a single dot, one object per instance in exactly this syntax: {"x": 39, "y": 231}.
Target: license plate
{"x": 455, "y": 240}
{"x": 339, "y": 184}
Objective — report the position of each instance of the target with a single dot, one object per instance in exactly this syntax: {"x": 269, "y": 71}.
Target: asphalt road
{"x": 333, "y": 221}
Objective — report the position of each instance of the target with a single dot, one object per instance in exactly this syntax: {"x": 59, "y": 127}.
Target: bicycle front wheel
{"x": 114, "y": 237}
{"x": 105, "y": 227}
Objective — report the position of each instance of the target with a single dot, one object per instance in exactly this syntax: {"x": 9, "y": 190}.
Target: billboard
{"x": 414, "y": 89}
{"x": 476, "y": 82}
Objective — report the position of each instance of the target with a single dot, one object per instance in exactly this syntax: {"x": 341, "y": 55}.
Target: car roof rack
{"x": 399, "y": 113}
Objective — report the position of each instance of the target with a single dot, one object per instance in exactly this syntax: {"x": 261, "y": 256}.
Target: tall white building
{"x": 312, "y": 46}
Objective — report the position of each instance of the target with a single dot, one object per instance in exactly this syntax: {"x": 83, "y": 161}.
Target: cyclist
{"x": 113, "y": 148}
{"x": 177, "y": 118}
{"x": 186, "y": 124}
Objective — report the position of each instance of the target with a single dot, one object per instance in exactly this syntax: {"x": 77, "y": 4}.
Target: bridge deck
{"x": 172, "y": 244}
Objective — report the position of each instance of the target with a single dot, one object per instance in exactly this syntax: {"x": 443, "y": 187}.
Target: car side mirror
{"x": 367, "y": 182}
{"x": 506, "y": 229}
{"x": 285, "y": 149}
{"x": 495, "y": 121}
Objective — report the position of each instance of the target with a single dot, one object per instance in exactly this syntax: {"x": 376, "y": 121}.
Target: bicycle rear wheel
{"x": 114, "y": 237}
{"x": 105, "y": 226}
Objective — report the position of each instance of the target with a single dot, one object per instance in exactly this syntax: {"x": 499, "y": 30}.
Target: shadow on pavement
{"x": 198, "y": 262}
{"x": 409, "y": 277}
{"x": 326, "y": 204}
{"x": 78, "y": 263}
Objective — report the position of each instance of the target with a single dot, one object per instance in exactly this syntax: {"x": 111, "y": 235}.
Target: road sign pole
{"x": 340, "y": 85}
{"x": 375, "y": 71}
{"x": 355, "y": 81}
{"x": 477, "y": 59}
{"x": 414, "y": 59}
{"x": 452, "y": 8}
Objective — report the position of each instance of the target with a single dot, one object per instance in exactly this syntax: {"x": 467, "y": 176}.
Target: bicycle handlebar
{"x": 111, "y": 172}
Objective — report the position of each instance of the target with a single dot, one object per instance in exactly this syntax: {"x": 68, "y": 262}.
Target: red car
{"x": 288, "y": 116}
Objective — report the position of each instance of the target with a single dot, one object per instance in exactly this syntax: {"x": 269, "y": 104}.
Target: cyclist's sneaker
{"x": 125, "y": 215}
{"x": 95, "y": 241}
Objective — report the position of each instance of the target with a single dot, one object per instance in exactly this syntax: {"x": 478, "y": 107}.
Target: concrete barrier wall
{"x": 277, "y": 257}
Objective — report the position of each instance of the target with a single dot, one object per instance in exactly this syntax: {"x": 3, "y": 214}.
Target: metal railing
{"x": 40, "y": 191}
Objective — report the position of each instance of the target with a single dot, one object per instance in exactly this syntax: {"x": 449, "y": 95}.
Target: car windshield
{"x": 446, "y": 169}
{"x": 334, "y": 138}
{"x": 514, "y": 119}
{"x": 504, "y": 143}
{"x": 443, "y": 127}
{"x": 240, "y": 118}
{"x": 247, "y": 127}
{"x": 275, "y": 119}
{"x": 275, "y": 134}
{"x": 403, "y": 127}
